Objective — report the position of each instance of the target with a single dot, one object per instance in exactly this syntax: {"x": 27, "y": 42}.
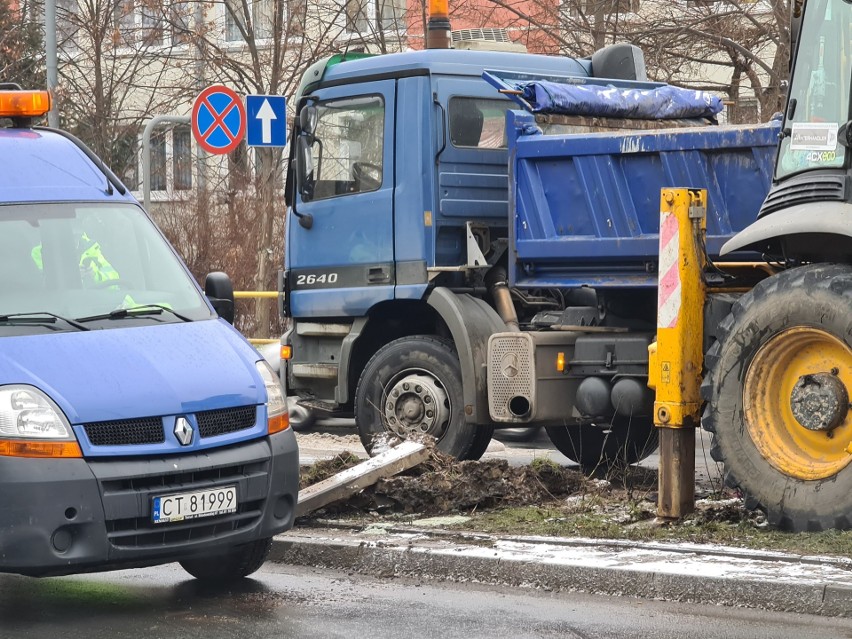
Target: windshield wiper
{"x": 134, "y": 311}
{"x": 40, "y": 317}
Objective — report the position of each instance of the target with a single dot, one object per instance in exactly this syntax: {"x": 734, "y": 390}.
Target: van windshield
{"x": 68, "y": 261}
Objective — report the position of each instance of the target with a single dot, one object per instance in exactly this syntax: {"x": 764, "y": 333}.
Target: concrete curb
{"x": 670, "y": 572}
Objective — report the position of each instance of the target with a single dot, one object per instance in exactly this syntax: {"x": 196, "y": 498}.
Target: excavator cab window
{"x": 819, "y": 100}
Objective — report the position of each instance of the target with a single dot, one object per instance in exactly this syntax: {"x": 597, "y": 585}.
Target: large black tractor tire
{"x": 601, "y": 447}
{"x": 413, "y": 386}
{"x": 480, "y": 442}
{"x": 777, "y": 397}
{"x": 234, "y": 564}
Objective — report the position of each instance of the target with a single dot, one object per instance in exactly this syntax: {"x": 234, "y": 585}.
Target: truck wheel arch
{"x": 470, "y": 322}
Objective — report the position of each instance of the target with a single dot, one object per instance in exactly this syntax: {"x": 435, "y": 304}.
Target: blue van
{"x": 137, "y": 426}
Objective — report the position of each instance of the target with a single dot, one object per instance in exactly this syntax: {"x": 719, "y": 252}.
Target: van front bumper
{"x": 64, "y": 516}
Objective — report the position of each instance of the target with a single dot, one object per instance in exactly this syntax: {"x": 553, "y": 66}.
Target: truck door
{"x": 344, "y": 263}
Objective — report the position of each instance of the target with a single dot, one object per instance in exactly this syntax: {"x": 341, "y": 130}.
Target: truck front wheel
{"x": 413, "y": 386}
{"x": 778, "y": 397}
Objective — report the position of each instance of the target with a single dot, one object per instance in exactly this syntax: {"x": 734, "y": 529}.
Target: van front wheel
{"x": 235, "y": 564}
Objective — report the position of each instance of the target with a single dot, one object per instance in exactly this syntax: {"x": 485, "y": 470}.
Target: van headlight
{"x": 32, "y": 425}
{"x": 276, "y": 403}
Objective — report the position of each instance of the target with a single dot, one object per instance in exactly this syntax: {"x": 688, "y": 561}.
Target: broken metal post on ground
{"x": 675, "y": 359}
{"x": 348, "y": 482}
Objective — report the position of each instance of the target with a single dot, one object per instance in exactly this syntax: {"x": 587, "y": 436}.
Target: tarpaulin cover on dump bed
{"x": 665, "y": 102}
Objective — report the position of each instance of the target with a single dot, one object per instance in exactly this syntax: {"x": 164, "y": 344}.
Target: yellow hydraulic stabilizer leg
{"x": 675, "y": 359}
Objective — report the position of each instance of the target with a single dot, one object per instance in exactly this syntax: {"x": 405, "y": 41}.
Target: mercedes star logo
{"x": 509, "y": 365}
{"x": 183, "y": 431}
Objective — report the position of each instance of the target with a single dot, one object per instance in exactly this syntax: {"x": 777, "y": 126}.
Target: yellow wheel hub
{"x": 796, "y": 401}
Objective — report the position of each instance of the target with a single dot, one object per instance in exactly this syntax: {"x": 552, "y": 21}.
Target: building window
{"x": 159, "y": 179}
{"x": 181, "y": 22}
{"x": 592, "y": 8}
{"x": 260, "y": 20}
{"x": 126, "y": 157}
{"x": 143, "y": 22}
{"x": 239, "y": 169}
{"x": 67, "y": 26}
{"x": 182, "y": 158}
{"x": 366, "y": 16}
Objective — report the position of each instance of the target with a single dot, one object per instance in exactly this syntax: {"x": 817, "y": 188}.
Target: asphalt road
{"x": 284, "y": 601}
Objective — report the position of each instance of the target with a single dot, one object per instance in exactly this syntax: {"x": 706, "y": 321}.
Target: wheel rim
{"x": 796, "y": 401}
{"x": 416, "y": 402}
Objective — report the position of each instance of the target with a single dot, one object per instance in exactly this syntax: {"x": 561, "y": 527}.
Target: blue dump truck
{"x": 137, "y": 427}
{"x": 429, "y": 213}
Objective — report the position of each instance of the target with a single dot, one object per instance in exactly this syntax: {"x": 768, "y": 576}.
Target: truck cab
{"x": 137, "y": 426}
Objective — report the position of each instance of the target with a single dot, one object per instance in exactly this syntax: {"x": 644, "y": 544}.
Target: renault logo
{"x": 183, "y": 431}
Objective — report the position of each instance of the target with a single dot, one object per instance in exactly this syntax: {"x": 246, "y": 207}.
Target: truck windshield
{"x": 820, "y": 88}
{"x": 77, "y": 260}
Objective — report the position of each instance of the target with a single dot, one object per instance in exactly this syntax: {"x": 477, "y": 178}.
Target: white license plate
{"x": 200, "y": 503}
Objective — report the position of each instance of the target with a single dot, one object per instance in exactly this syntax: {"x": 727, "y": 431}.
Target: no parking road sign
{"x": 218, "y": 119}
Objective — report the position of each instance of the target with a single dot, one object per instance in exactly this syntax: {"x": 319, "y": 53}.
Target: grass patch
{"x": 633, "y": 523}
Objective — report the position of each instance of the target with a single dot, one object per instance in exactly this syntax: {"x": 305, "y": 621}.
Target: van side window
{"x": 478, "y": 122}
{"x": 348, "y": 146}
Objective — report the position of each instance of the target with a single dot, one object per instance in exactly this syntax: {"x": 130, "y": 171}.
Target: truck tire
{"x": 778, "y": 397}
{"x": 480, "y": 442}
{"x": 301, "y": 418}
{"x": 235, "y": 564}
{"x": 413, "y": 386}
{"x": 625, "y": 441}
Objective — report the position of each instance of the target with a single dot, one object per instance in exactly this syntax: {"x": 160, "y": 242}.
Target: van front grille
{"x": 126, "y": 432}
{"x": 229, "y": 420}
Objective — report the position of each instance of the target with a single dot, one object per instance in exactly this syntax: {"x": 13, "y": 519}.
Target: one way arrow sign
{"x": 267, "y": 120}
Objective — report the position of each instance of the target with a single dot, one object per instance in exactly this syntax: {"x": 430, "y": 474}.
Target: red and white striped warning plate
{"x": 669, "y": 291}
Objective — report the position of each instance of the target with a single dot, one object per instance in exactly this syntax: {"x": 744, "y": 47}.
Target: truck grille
{"x": 228, "y": 420}
{"x": 126, "y": 432}
{"x": 252, "y": 481}
{"x": 820, "y": 188}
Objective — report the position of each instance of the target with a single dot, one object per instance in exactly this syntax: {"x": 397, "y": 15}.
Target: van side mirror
{"x": 220, "y": 291}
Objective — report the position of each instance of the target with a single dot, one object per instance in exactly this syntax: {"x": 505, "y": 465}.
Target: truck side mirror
{"x": 308, "y": 117}
{"x": 305, "y": 166}
{"x": 220, "y": 291}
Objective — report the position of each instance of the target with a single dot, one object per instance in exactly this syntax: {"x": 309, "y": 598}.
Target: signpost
{"x": 267, "y": 120}
{"x": 218, "y": 120}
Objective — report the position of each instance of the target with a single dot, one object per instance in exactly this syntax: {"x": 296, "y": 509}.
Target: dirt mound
{"x": 443, "y": 485}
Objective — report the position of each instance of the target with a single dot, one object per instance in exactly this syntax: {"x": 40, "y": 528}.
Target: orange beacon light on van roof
{"x": 24, "y": 104}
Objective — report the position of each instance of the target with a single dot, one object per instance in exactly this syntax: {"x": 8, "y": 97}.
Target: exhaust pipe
{"x": 438, "y": 34}
{"x": 498, "y": 286}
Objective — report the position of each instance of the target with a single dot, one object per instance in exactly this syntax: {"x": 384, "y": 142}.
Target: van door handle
{"x": 378, "y": 274}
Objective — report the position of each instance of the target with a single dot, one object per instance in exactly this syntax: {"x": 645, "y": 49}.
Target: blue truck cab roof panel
{"x": 450, "y": 62}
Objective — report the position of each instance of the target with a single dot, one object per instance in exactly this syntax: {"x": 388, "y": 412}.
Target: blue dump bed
{"x": 586, "y": 207}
